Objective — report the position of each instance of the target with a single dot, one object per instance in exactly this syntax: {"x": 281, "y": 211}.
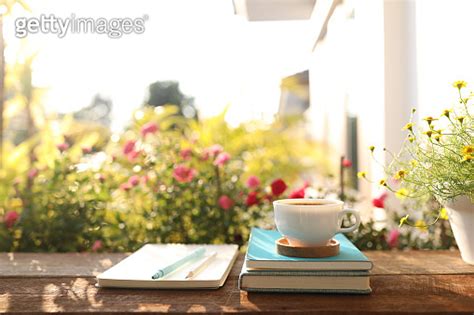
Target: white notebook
{"x": 136, "y": 270}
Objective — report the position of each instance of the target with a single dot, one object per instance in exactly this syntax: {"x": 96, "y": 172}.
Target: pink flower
{"x": 278, "y": 187}
{"x": 215, "y": 149}
{"x": 346, "y": 163}
{"x": 86, "y": 150}
{"x": 62, "y": 146}
{"x": 10, "y": 218}
{"x": 96, "y": 246}
{"x": 134, "y": 180}
{"x": 133, "y": 155}
{"x": 393, "y": 238}
{"x": 253, "y": 182}
{"x": 33, "y": 173}
{"x": 252, "y": 199}
{"x": 222, "y": 158}
{"x": 212, "y": 151}
{"x": 225, "y": 202}
{"x": 183, "y": 173}
{"x": 186, "y": 153}
{"x": 129, "y": 146}
{"x": 297, "y": 193}
{"x": 125, "y": 186}
{"x": 379, "y": 201}
{"x": 149, "y": 127}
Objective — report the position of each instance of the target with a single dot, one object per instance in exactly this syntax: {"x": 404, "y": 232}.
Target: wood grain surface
{"x": 425, "y": 282}
{"x": 283, "y": 247}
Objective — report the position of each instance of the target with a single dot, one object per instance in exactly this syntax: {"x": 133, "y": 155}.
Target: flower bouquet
{"x": 436, "y": 162}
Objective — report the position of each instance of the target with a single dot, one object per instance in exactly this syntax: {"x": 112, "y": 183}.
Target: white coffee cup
{"x": 311, "y": 222}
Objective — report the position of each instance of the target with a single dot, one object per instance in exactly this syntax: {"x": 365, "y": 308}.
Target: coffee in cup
{"x": 311, "y": 222}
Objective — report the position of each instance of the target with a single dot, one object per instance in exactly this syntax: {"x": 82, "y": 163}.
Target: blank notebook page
{"x": 137, "y": 269}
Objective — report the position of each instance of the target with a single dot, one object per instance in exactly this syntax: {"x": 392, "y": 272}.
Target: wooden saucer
{"x": 285, "y": 249}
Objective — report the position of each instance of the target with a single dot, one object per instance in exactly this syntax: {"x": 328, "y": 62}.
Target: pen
{"x": 202, "y": 266}
{"x": 196, "y": 254}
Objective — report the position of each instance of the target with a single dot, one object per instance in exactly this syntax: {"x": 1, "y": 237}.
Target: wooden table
{"x": 403, "y": 282}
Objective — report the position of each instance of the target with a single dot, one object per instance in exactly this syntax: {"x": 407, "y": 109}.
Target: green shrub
{"x": 165, "y": 179}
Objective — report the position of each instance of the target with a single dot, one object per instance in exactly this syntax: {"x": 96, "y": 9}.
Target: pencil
{"x": 196, "y": 254}
{"x": 202, "y": 266}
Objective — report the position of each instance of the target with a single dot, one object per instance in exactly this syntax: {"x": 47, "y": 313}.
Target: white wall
{"x": 393, "y": 56}
{"x": 366, "y": 66}
{"x": 400, "y": 70}
{"x": 331, "y": 67}
{"x": 445, "y": 51}
{"x": 347, "y": 76}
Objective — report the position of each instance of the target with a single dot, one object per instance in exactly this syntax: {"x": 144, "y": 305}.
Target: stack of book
{"x": 265, "y": 270}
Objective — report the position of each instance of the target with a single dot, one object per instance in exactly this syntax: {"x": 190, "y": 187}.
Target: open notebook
{"x": 136, "y": 270}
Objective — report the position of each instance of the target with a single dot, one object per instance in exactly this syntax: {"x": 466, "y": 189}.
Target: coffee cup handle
{"x": 351, "y": 228}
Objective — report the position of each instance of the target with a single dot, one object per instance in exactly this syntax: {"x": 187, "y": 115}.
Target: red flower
{"x": 379, "y": 202}
{"x": 298, "y": 193}
{"x": 253, "y": 182}
{"x": 149, "y": 127}
{"x": 33, "y": 173}
{"x": 252, "y": 199}
{"x": 129, "y": 146}
{"x": 393, "y": 238}
{"x": 86, "y": 150}
{"x": 134, "y": 180}
{"x": 222, "y": 158}
{"x": 62, "y": 146}
{"x": 10, "y": 218}
{"x": 278, "y": 187}
{"x": 346, "y": 163}
{"x": 184, "y": 174}
{"x": 225, "y": 202}
{"x": 96, "y": 246}
{"x": 186, "y": 153}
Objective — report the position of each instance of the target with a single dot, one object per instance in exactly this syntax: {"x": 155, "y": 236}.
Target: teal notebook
{"x": 342, "y": 282}
{"x": 261, "y": 254}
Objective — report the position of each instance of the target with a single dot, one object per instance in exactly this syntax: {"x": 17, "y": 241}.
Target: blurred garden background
{"x": 189, "y": 131}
